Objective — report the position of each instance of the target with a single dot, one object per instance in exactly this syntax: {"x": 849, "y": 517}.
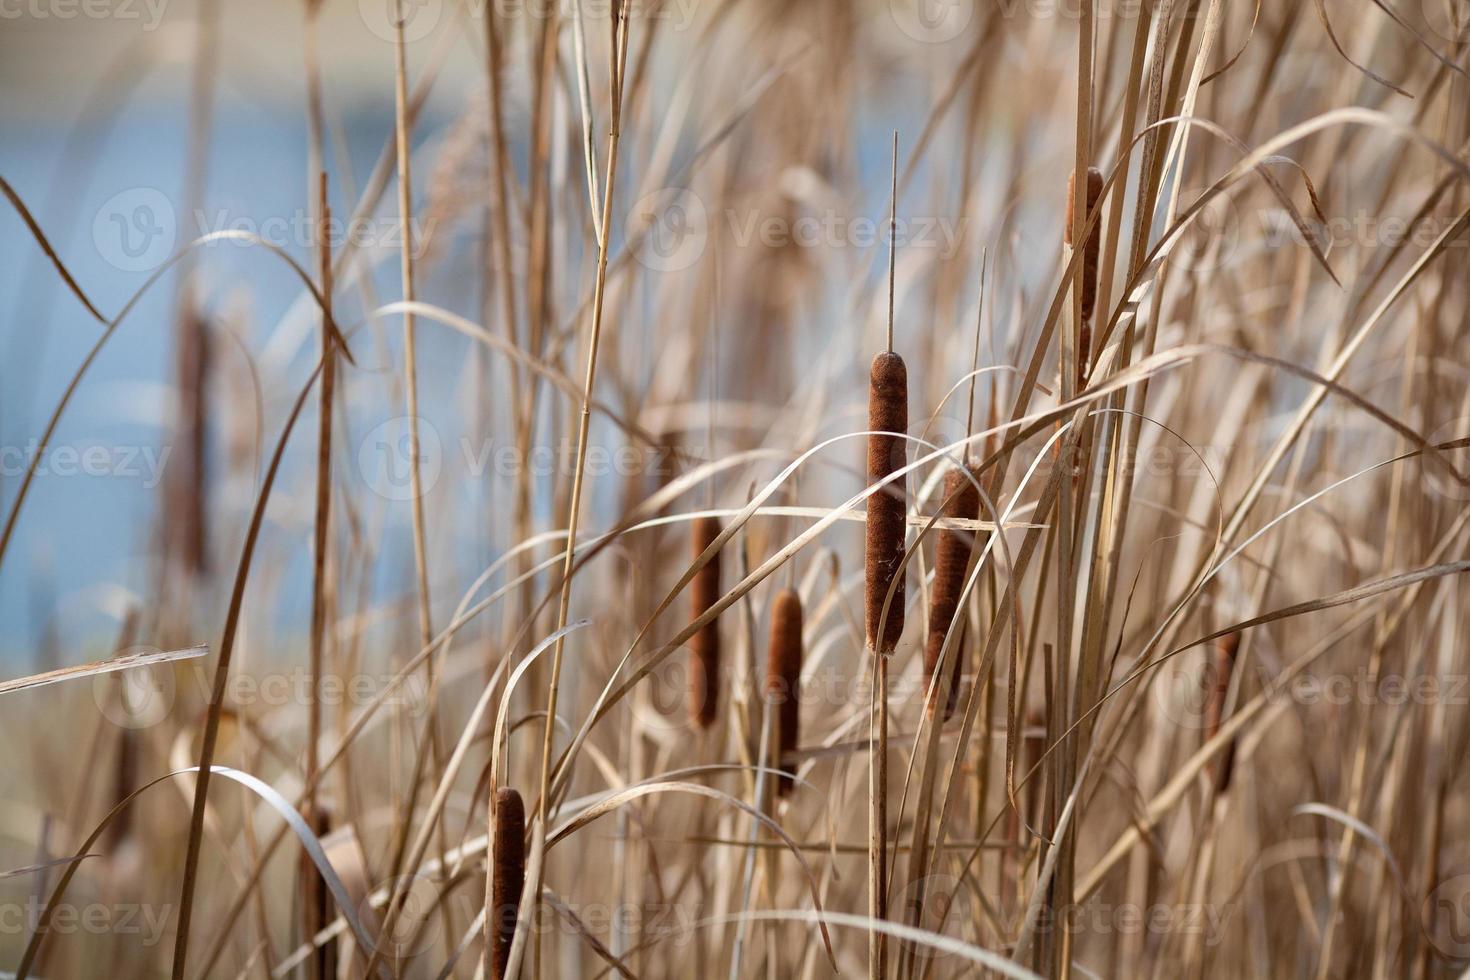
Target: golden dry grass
{"x": 1149, "y": 663}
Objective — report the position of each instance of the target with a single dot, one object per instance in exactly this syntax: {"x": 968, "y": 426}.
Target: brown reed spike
{"x": 783, "y": 681}
{"x": 188, "y": 491}
{"x": 508, "y": 876}
{"x": 1089, "y": 261}
{"x": 317, "y": 901}
{"x": 952, "y": 557}
{"x": 704, "y": 646}
{"x": 888, "y": 419}
{"x": 125, "y": 776}
{"x": 1033, "y": 748}
{"x": 1224, "y": 665}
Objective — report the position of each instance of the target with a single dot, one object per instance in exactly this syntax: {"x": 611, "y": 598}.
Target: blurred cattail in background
{"x": 1219, "y": 677}
{"x": 316, "y": 901}
{"x": 1090, "y": 253}
{"x": 188, "y": 494}
{"x": 952, "y": 557}
{"x": 704, "y": 646}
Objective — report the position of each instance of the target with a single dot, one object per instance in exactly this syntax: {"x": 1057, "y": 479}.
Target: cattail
{"x": 187, "y": 490}
{"x": 124, "y": 782}
{"x": 888, "y": 421}
{"x": 507, "y": 876}
{"x": 951, "y": 559}
{"x": 888, "y": 418}
{"x": 704, "y": 646}
{"x": 1225, "y": 648}
{"x": 783, "y": 679}
{"x": 1089, "y": 261}
{"x": 1033, "y": 748}
{"x": 316, "y": 900}
{"x": 125, "y": 776}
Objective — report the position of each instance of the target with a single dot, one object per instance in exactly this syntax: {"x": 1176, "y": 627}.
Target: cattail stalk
{"x": 1091, "y": 251}
{"x": 883, "y": 567}
{"x": 783, "y": 680}
{"x": 315, "y": 895}
{"x": 617, "y": 70}
{"x": 952, "y": 558}
{"x": 888, "y": 421}
{"x": 704, "y": 646}
{"x": 316, "y": 900}
{"x": 507, "y": 876}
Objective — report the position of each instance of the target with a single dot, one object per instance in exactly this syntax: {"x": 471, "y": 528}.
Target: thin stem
{"x": 892, "y": 235}
{"x": 410, "y": 351}
{"x": 574, "y": 506}
{"x": 319, "y": 572}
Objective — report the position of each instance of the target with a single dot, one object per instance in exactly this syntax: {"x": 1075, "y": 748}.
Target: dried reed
{"x": 883, "y": 582}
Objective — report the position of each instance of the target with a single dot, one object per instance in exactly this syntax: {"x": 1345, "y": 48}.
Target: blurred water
{"x": 110, "y": 196}
{"x": 114, "y": 215}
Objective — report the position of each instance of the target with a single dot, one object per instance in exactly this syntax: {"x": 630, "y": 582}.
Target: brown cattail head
{"x": 783, "y": 680}
{"x": 316, "y": 900}
{"x": 704, "y": 646}
{"x": 187, "y": 493}
{"x": 125, "y": 776}
{"x": 1223, "y": 666}
{"x": 125, "y": 781}
{"x": 1033, "y": 747}
{"x": 952, "y": 557}
{"x": 888, "y": 418}
{"x": 1089, "y": 261}
{"x": 508, "y": 874}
